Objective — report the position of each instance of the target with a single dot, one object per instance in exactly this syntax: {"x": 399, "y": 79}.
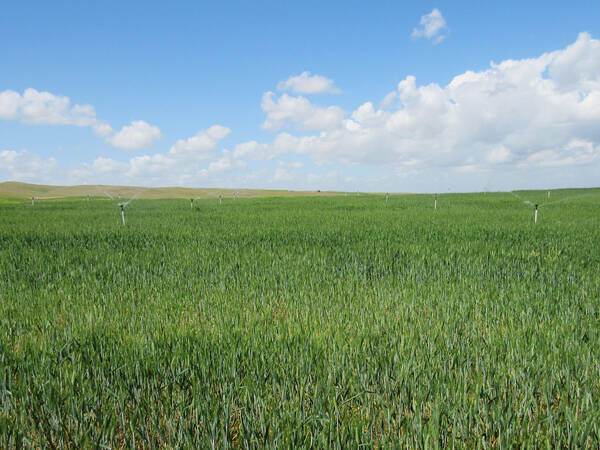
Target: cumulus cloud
{"x": 433, "y": 27}
{"x": 101, "y": 170}
{"x": 102, "y": 129}
{"x": 293, "y": 165}
{"x": 522, "y": 113}
{"x": 538, "y": 113}
{"x": 138, "y": 135}
{"x": 107, "y": 165}
{"x": 388, "y": 100}
{"x": 43, "y": 108}
{"x": 193, "y": 161}
{"x": 287, "y": 172}
{"x": 149, "y": 165}
{"x": 282, "y": 174}
{"x": 220, "y": 165}
{"x": 253, "y": 150}
{"x": 300, "y": 112}
{"x": 204, "y": 142}
{"x": 305, "y": 83}
{"x": 24, "y": 166}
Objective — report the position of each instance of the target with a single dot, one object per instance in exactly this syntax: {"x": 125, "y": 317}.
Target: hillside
{"x": 14, "y": 189}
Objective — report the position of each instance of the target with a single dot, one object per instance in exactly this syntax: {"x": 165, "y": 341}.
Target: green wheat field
{"x": 342, "y": 321}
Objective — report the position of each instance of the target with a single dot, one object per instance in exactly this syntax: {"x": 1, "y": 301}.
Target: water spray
{"x": 538, "y": 205}
{"x": 220, "y": 199}
{"x": 191, "y": 203}
{"x": 124, "y": 204}
{"x": 435, "y": 202}
{"x": 387, "y": 196}
{"x": 108, "y": 195}
{"x": 32, "y": 201}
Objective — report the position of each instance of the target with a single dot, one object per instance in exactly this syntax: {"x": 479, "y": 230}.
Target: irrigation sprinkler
{"x": 536, "y": 213}
{"x": 220, "y": 199}
{"x": 387, "y": 196}
{"x": 32, "y": 201}
{"x": 191, "y": 203}
{"x": 124, "y": 204}
{"x": 435, "y": 203}
{"x": 548, "y": 195}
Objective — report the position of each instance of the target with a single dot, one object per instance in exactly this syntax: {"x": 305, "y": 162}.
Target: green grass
{"x": 311, "y": 322}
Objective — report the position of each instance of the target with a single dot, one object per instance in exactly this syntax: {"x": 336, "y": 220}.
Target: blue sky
{"x": 478, "y": 96}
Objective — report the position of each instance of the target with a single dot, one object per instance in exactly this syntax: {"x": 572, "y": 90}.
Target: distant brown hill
{"x": 14, "y": 189}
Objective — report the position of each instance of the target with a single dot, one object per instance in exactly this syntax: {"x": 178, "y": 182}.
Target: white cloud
{"x": 202, "y": 143}
{"x": 107, "y": 165}
{"x": 287, "y": 172}
{"x": 136, "y": 136}
{"x": 579, "y": 66}
{"x": 517, "y": 113}
{"x": 581, "y": 152}
{"x": 514, "y": 118}
{"x": 305, "y": 83}
{"x": 282, "y": 174}
{"x": 43, "y": 108}
{"x": 253, "y": 150}
{"x": 291, "y": 165}
{"x": 300, "y": 112}
{"x": 499, "y": 154}
{"x": 388, "y": 100}
{"x": 10, "y": 103}
{"x": 220, "y": 165}
{"x": 102, "y": 129}
{"x": 148, "y": 165}
{"x": 433, "y": 27}
{"x": 101, "y": 171}
{"x": 24, "y": 166}
{"x": 189, "y": 162}
{"x": 327, "y": 181}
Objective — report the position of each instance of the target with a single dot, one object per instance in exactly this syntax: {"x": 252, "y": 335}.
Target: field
{"x": 301, "y": 322}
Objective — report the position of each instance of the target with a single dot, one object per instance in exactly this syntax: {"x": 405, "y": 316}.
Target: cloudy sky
{"x": 384, "y": 96}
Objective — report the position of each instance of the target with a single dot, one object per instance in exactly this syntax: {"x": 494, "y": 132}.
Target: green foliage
{"x": 301, "y": 322}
